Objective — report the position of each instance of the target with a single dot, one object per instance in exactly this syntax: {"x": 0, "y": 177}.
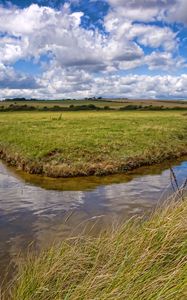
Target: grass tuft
{"x": 140, "y": 260}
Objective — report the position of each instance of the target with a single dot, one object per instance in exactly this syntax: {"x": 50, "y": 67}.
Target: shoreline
{"x": 88, "y": 169}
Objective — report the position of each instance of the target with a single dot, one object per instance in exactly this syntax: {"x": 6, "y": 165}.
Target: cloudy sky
{"x": 83, "y": 48}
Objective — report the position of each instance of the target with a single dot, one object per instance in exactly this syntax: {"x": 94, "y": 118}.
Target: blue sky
{"x": 84, "y": 48}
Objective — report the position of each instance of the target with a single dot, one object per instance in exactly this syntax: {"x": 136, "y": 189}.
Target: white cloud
{"x": 9, "y": 79}
{"x": 35, "y": 30}
{"x": 84, "y": 62}
{"x": 80, "y": 84}
{"x": 12, "y": 49}
{"x": 177, "y": 12}
{"x": 150, "y": 10}
{"x": 164, "y": 61}
{"x": 153, "y": 36}
{"x": 140, "y": 10}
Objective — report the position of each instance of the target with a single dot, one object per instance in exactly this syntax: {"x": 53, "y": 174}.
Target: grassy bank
{"x": 90, "y": 143}
{"x": 139, "y": 261}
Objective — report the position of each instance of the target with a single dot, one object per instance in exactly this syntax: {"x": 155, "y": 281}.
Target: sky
{"x": 92, "y": 48}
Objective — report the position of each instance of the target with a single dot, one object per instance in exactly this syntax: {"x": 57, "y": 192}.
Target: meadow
{"x": 67, "y": 144}
{"x": 141, "y": 260}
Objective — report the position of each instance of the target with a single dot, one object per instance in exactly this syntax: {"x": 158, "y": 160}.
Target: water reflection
{"x": 30, "y": 212}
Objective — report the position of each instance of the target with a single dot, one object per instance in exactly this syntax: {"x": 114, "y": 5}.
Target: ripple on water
{"x": 30, "y": 212}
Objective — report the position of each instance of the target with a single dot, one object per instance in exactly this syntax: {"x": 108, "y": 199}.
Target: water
{"x": 41, "y": 210}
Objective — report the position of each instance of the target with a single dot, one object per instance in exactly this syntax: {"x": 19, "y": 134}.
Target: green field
{"x": 139, "y": 261}
{"x": 86, "y": 143}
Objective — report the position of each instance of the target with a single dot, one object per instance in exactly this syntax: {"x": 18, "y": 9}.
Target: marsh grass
{"x": 90, "y": 143}
{"x": 141, "y": 260}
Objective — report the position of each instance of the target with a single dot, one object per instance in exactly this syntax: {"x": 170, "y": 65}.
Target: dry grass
{"x": 138, "y": 261}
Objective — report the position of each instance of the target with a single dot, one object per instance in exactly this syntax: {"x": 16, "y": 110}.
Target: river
{"x": 39, "y": 210}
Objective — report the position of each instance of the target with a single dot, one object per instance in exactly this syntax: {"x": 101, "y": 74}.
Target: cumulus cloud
{"x": 151, "y": 10}
{"x": 154, "y": 36}
{"x": 81, "y": 85}
{"x": 35, "y": 30}
{"x": 177, "y": 12}
{"x": 59, "y": 32}
{"x": 85, "y": 62}
{"x": 9, "y": 79}
{"x": 140, "y": 10}
{"x": 164, "y": 61}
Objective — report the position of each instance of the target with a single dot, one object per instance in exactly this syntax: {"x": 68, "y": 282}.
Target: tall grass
{"x": 140, "y": 260}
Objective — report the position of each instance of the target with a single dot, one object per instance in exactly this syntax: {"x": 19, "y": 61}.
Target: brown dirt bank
{"x": 65, "y": 170}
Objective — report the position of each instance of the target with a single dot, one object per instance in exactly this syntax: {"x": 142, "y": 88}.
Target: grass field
{"x": 87, "y": 143}
{"x": 139, "y": 261}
